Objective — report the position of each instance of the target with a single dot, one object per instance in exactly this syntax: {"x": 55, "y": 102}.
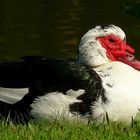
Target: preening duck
{"x": 104, "y": 80}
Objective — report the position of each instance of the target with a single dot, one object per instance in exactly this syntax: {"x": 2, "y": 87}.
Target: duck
{"x": 103, "y": 82}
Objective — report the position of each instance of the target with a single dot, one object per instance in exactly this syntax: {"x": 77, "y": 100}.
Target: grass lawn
{"x": 63, "y": 130}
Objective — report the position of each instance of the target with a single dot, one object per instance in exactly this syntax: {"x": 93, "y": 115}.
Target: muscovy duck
{"x": 104, "y": 80}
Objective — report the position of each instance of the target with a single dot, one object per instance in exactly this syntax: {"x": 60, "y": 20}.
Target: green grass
{"x": 63, "y": 130}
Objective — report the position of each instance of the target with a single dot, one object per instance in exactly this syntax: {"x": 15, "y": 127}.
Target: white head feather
{"x": 90, "y": 50}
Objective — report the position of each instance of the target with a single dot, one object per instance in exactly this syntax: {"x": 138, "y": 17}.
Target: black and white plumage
{"x": 51, "y": 77}
{"x": 104, "y": 79}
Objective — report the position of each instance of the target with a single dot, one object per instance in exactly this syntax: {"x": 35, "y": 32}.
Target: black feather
{"x": 43, "y": 75}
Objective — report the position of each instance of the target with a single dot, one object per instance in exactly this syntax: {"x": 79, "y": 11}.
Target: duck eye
{"x": 111, "y": 40}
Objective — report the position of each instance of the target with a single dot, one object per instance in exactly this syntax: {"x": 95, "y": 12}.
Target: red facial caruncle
{"x": 118, "y": 50}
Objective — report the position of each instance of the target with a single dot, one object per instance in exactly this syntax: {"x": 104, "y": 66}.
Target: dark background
{"x": 53, "y": 28}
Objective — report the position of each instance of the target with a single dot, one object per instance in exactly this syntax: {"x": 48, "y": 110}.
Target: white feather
{"x": 122, "y": 89}
{"x": 12, "y": 95}
{"x": 55, "y": 105}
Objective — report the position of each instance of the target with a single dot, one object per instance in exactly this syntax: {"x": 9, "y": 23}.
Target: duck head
{"x": 102, "y": 45}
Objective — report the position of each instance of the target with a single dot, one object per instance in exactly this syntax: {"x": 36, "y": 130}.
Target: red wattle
{"x": 115, "y": 47}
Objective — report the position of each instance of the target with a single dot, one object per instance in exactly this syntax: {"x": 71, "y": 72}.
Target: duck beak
{"x": 130, "y": 59}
